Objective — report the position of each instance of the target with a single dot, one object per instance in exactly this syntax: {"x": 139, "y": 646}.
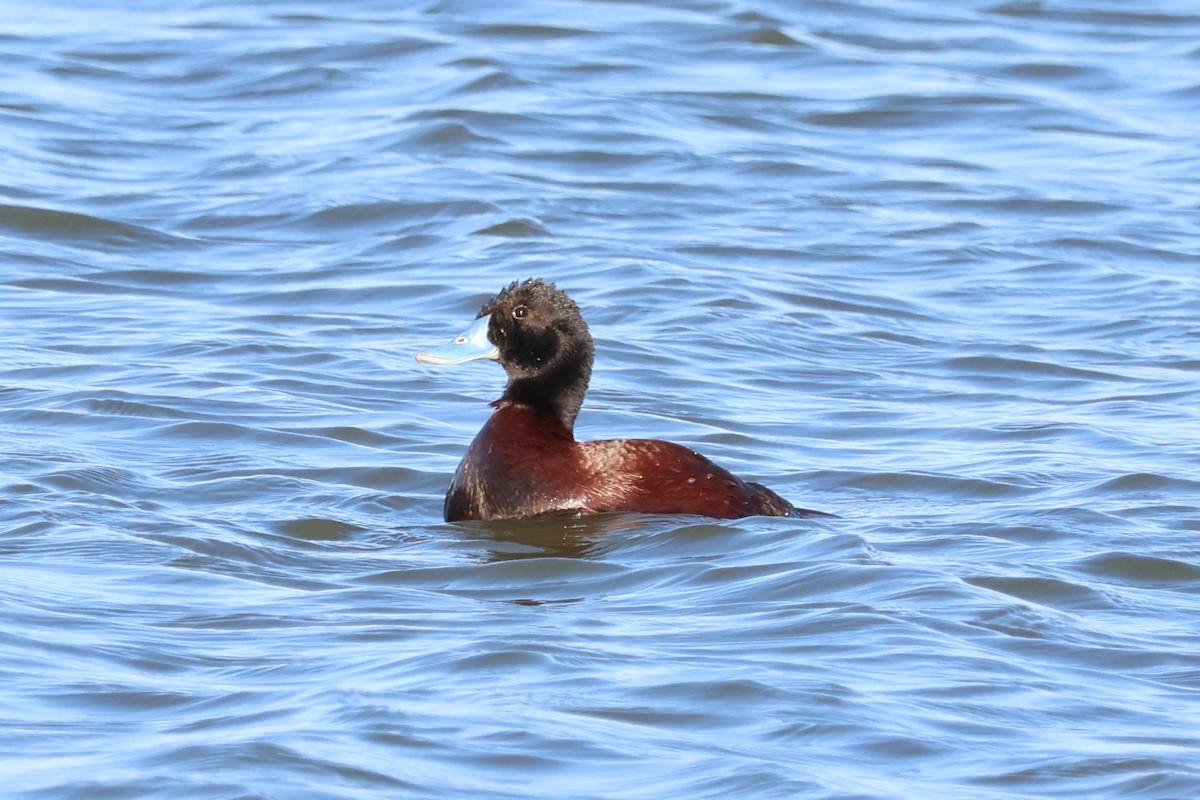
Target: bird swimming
{"x": 525, "y": 460}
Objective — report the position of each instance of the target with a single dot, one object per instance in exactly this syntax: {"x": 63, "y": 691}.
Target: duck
{"x": 526, "y": 462}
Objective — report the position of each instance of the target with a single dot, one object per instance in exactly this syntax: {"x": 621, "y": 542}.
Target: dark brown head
{"x": 538, "y": 335}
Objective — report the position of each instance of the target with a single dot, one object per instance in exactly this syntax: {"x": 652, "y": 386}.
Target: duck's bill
{"x": 471, "y": 345}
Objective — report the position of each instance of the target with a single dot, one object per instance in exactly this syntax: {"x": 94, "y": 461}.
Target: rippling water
{"x": 931, "y": 266}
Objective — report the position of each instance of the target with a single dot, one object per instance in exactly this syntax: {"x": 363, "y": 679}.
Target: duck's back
{"x": 651, "y": 476}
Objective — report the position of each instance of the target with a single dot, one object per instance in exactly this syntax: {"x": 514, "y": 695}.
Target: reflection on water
{"x": 577, "y": 536}
{"x": 930, "y": 268}
{"x": 557, "y": 535}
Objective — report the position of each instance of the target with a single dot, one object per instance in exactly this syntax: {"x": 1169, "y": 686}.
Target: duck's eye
{"x": 520, "y": 312}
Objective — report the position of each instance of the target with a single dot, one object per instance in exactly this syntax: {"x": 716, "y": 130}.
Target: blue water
{"x": 932, "y": 267}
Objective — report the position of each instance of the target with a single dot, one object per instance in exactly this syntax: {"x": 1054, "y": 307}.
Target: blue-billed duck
{"x": 525, "y": 461}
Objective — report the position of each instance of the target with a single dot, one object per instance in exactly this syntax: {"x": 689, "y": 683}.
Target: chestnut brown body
{"x": 525, "y": 462}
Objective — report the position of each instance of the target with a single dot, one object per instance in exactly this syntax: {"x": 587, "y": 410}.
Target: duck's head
{"x": 538, "y": 335}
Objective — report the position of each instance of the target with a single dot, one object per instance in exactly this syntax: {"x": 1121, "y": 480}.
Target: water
{"x": 932, "y": 267}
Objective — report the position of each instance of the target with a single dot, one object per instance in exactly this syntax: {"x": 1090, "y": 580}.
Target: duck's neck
{"x": 558, "y": 390}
